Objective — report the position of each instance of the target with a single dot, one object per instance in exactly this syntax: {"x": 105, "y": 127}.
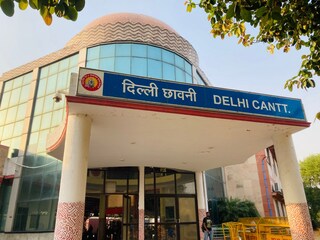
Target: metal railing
{"x": 257, "y": 229}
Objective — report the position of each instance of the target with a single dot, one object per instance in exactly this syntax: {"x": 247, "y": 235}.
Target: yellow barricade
{"x": 257, "y": 229}
{"x": 233, "y": 231}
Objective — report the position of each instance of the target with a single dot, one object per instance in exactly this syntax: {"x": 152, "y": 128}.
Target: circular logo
{"x": 91, "y": 82}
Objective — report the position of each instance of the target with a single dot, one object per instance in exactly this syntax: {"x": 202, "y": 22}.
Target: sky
{"x": 25, "y": 37}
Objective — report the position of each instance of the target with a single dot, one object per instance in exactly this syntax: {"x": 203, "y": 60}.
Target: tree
{"x": 230, "y": 210}
{"x": 61, "y": 8}
{"x": 310, "y": 172}
{"x": 282, "y": 24}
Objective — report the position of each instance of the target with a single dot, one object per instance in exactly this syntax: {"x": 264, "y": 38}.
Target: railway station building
{"x": 120, "y": 126}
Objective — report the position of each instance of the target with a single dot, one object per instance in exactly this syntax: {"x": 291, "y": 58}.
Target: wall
{"x": 242, "y": 181}
{"x": 27, "y": 236}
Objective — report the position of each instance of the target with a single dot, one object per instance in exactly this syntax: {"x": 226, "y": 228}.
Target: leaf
{"x": 71, "y": 13}
{"x": 270, "y": 48}
{"x": 231, "y": 11}
{"x": 245, "y": 14}
{"x": 189, "y": 8}
{"x": 310, "y": 83}
{"x": 23, "y": 4}
{"x": 34, "y": 4}
{"x": 48, "y": 19}
{"x": 261, "y": 11}
{"x": 7, "y": 7}
{"x": 46, "y": 15}
{"x": 60, "y": 10}
{"x": 80, "y": 5}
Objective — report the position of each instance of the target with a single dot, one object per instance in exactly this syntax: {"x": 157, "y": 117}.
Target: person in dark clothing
{"x": 207, "y": 224}
{"x": 87, "y": 233}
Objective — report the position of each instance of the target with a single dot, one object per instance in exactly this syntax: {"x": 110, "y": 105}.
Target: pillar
{"x": 70, "y": 212}
{"x": 201, "y": 198}
{"x": 141, "y": 203}
{"x": 294, "y": 195}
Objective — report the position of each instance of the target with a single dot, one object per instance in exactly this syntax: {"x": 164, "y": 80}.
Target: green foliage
{"x": 61, "y": 8}
{"x": 310, "y": 172}
{"x": 281, "y": 24}
{"x": 313, "y": 199}
{"x": 230, "y": 210}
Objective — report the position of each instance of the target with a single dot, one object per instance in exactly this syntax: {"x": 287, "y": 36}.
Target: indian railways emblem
{"x": 91, "y": 82}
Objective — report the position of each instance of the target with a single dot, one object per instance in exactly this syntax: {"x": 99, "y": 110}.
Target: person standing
{"x": 207, "y": 227}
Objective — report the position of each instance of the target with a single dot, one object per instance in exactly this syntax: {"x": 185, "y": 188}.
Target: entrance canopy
{"x": 146, "y": 122}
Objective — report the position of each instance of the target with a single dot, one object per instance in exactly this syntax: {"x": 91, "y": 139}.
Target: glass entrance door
{"x": 170, "y": 205}
{"x": 113, "y": 217}
{"x": 168, "y": 218}
{"x": 175, "y": 218}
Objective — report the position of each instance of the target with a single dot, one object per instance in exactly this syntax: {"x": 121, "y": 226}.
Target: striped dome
{"x": 130, "y": 27}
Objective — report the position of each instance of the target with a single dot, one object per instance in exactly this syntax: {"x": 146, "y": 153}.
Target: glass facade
{"x": 141, "y": 60}
{"x": 13, "y": 112}
{"x": 40, "y": 179}
{"x": 170, "y": 204}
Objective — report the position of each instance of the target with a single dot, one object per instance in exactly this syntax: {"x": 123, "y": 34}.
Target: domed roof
{"x": 129, "y": 17}
{"x": 131, "y": 27}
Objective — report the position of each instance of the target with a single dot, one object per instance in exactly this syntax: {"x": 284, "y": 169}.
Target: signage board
{"x": 132, "y": 88}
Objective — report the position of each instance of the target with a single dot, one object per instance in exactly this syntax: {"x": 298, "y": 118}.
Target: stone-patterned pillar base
{"x": 202, "y": 214}
{"x": 299, "y": 220}
{"x": 141, "y": 224}
{"x": 69, "y": 221}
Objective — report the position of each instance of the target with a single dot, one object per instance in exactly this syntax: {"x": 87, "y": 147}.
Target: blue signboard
{"x": 194, "y": 96}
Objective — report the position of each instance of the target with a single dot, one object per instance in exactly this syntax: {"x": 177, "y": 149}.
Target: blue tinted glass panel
{"x": 64, "y": 64}
{"x": 179, "y": 61}
{"x": 53, "y": 68}
{"x": 187, "y": 67}
{"x": 154, "y": 69}
{"x": 139, "y": 66}
{"x": 11, "y": 115}
{"x": 62, "y": 80}
{"x": 93, "y": 64}
{"x": 180, "y": 75}
{"x": 8, "y": 85}
{"x": 18, "y": 127}
{"x": 199, "y": 79}
{"x": 73, "y": 61}
{"x": 107, "y": 64}
{"x": 122, "y": 65}
{"x": 154, "y": 53}
{"x": 27, "y": 79}
{"x": 5, "y": 100}
{"x": 46, "y": 120}
{"x": 123, "y": 50}
{"x": 17, "y": 82}
{"x": 44, "y": 71}
{"x": 188, "y": 78}
{"x": 15, "y": 95}
{"x": 93, "y": 53}
{"x": 167, "y": 56}
{"x": 168, "y": 72}
{"x": 24, "y": 93}
{"x": 22, "y": 109}
{"x": 51, "y": 84}
{"x": 139, "y": 50}
{"x": 107, "y": 51}
{"x": 48, "y": 103}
